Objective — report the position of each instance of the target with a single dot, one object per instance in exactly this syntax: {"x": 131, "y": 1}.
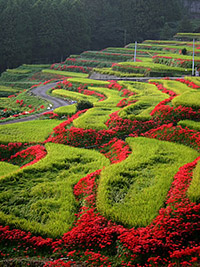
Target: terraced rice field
{"x": 111, "y": 180}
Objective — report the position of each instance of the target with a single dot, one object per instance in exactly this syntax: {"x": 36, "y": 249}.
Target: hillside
{"x": 108, "y": 173}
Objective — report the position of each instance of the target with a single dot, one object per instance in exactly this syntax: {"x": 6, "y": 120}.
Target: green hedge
{"x": 40, "y": 198}
{"x": 94, "y": 118}
{"x": 194, "y": 125}
{"x": 175, "y": 86}
{"x": 112, "y": 97}
{"x": 73, "y": 95}
{"x": 89, "y": 82}
{"x": 5, "y": 91}
{"x": 150, "y": 69}
{"x": 167, "y": 42}
{"x": 106, "y": 56}
{"x": 66, "y": 110}
{"x": 165, "y": 48}
{"x": 176, "y": 60}
{"x": 66, "y": 73}
{"x": 18, "y": 71}
{"x": 110, "y": 71}
{"x": 188, "y": 35}
{"x": 30, "y": 131}
{"x": 132, "y": 192}
{"x": 194, "y": 189}
{"x": 195, "y": 80}
{"x": 147, "y": 98}
{"x": 188, "y": 99}
{"x": 33, "y": 66}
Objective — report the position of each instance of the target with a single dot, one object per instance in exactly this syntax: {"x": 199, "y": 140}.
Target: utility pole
{"x": 135, "y": 51}
{"x": 193, "y": 58}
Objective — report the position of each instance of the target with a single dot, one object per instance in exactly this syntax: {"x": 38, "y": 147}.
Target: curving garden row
{"x": 77, "y": 205}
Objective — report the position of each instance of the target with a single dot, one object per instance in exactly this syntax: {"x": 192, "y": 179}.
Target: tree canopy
{"x": 45, "y": 31}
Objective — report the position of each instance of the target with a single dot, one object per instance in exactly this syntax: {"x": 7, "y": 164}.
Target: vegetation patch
{"x": 7, "y": 168}
{"x": 194, "y": 188}
{"x": 30, "y": 131}
{"x": 66, "y": 73}
{"x": 133, "y": 191}
{"x": 188, "y": 99}
{"x": 194, "y": 125}
{"x": 66, "y": 110}
{"x": 40, "y": 198}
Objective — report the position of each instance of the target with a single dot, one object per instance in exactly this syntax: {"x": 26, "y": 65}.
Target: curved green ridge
{"x": 29, "y": 131}
{"x": 132, "y": 192}
{"x": 147, "y": 97}
{"x": 40, "y": 198}
{"x": 194, "y": 125}
{"x": 194, "y": 188}
{"x": 7, "y": 168}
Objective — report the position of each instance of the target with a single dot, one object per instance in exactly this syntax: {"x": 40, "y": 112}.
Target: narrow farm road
{"x": 41, "y": 91}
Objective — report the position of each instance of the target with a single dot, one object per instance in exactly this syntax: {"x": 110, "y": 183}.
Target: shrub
{"x": 184, "y": 51}
{"x": 66, "y": 110}
{"x": 188, "y": 99}
{"x": 83, "y": 104}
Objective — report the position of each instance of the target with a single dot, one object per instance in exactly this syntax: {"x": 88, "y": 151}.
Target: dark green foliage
{"x": 47, "y": 31}
{"x": 84, "y": 104}
{"x": 184, "y": 51}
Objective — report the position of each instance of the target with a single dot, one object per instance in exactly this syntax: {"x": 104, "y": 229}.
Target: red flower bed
{"x": 163, "y": 89}
{"x": 168, "y": 132}
{"x": 167, "y": 114}
{"x": 116, "y": 150}
{"x": 29, "y": 156}
{"x": 64, "y": 67}
{"x": 49, "y": 115}
{"x": 125, "y": 102}
{"x": 10, "y": 149}
{"x": 175, "y": 229}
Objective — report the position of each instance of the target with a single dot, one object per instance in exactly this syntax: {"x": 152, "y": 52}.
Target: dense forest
{"x": 45, "y": 31}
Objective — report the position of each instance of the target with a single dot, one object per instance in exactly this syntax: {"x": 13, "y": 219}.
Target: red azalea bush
{"x": 23, "y": 243}
{"x": 125, "y": 102}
